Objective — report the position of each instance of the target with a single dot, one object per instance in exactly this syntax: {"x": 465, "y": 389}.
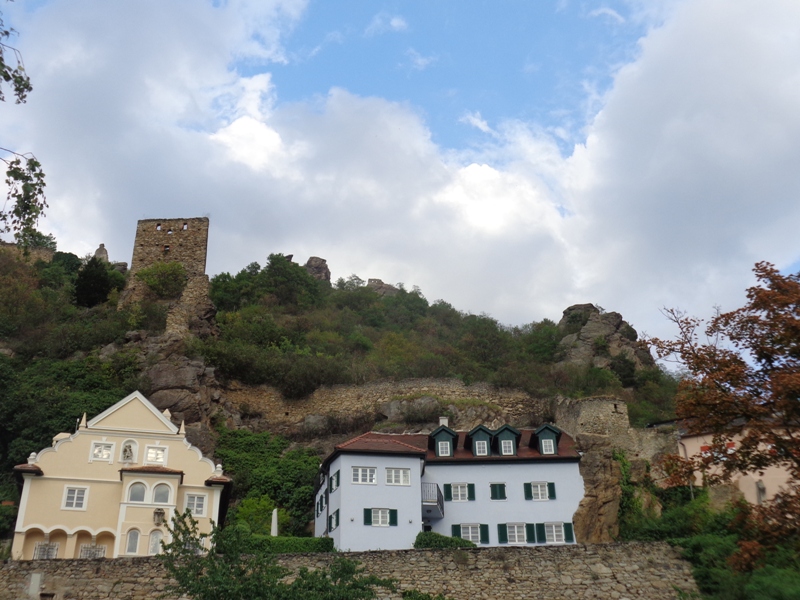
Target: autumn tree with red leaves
{"x": 744, "y": 386}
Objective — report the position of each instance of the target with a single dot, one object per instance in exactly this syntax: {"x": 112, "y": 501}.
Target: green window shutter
{"x": 393, "y": 517}
{"x": 484, "y": 534}
{"x": 502, "y": 533}
{"x": 330, "y": 484}
{"x": 336, "y": 477}
{"x": 448, "y": 492}
{"x": 569, "y": 534}
{"x": 551, "y": 491}
{"x": 502, "y": 491}
{"x": 541, "y": 537}
{"x": 530, "y": 533}
{"x": 367, "y": 516}
{"x": 470, "y": 491}
{"x": 528, "y": 491}
{"x": 330, "y": 523}
{"x": 455, "y": 530}
{"x": 498, "y": 491}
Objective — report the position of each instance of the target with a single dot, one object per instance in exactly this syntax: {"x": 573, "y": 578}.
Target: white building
{"x": 509, "y": 486}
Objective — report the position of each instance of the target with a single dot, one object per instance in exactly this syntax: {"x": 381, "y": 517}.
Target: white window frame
{"x": 334, "y": 478}
{"x": 128, "y": 493}
{"x": 193, "y": 509}
{"x": 128, "y": 542}
{"x": 459, "y": 492}
{"x": 518, "y": 536}
{"x": 334, "y": 523}
{"x": 91, "y": 551}
{"x": 378, "y": 515}
{"x": 50, "y": 550}
{"x": 369, "y": 474}
{"x": 84, "y": 499}
{"x": 507, "y": 447}
{"x": 536, "y": 491}
{"x": 160, "y": 535}
{"x": 157, "y": 463}
{"x": 444, "y": 449}
{"x": 169, "y": 493}
{"x": 471, "y": 532}
{"x": 109, "y": 459}
{"x": 554, "y": 533}
{"x": 397, "y": 476}
{"x": 548, "y": 447}
{"x": 481, "y": 448}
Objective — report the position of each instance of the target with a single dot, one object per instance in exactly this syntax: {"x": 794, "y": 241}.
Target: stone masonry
{"x": 652, "y": 571}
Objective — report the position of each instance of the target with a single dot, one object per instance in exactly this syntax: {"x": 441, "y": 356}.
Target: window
{"x": 539, "y": 490}
{"x": 156, "y": 455}
{"x": 333, "y": 521}
{"x": 364, "y": 475}
{"x": 161, "y": 493}
{"x": 333, "y": 482}
{"x": 154, "y": 547}
{"x": 92, "y": 551}
{"x": 497, "y": 491}
{"x": 132, "y": 545}
{"x": 459, "y": 492}
{"x": 554, "y": 533}
{"x": 196, "y": 504}
{"x": 444, "y": 448}
{"x": 102, "y": 451}
{"x": 398, "y": 476}
{"x": 136, "y": 492}
{"x": 548, "y": 447}
{"x": 380, "y": 517}
{"x": 481, "y": 448}
{"x": 507, "y": 447}
{"x": 471, "y": 533}
{"x": 45, "y": 550}
{"x": 516, "y": 533}
{"x": 75, "y": 498}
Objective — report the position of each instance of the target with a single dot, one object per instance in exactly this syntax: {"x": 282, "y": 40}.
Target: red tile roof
{"x": 27, "y": 468}
{"x": 389, "y": 443}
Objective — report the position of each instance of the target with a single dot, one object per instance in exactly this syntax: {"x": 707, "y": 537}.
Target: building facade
{"x": 110, "y": 488}
{"x": 507, "y": 486}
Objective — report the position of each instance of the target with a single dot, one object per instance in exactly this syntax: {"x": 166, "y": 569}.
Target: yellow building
{"x": 110, "y": 488}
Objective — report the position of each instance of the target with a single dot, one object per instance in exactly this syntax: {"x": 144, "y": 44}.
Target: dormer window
{"x": 507, "y": 447}
{"x": 444, "y": 448}
{"x": 481, "y": 448}
{"x": 548, "y": 447}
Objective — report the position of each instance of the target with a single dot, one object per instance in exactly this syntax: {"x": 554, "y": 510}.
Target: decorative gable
{"x": 133, "y": 413}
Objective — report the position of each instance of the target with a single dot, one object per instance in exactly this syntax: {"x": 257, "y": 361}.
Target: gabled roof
{"x": 483, "y": 428}
{"x": 442, "y": 428}
{"x": 552, "y": 428}
{"x": 514, "y": 431}
{"x": 119, "y": 416}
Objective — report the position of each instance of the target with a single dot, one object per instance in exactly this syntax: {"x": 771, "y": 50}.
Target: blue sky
{"x": 510, "y": 157}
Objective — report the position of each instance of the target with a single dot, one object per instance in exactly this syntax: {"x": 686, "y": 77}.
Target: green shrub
{"x": 166, "y": 280}
{"x": 264, "y": 544}
{"x": 430, "y": 539}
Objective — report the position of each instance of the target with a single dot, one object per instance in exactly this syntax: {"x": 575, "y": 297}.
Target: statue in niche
{"x": 127, "y": 452}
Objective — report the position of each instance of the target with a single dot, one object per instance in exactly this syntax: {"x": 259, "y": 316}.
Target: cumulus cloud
{"x": 384, "y": 22}
{"x": 685, "y": 176}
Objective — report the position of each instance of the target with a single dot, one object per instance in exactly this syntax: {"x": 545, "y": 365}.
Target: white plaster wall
{"x": 515, "y": 509}
{"x": 351, "y": 500}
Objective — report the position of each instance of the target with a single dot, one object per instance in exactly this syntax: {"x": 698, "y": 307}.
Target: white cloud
{"x": 420, "y": 62}
{"x": 607, "y": 12}
{"x": 686, "y": 176}
{"x": 384, "y": 22}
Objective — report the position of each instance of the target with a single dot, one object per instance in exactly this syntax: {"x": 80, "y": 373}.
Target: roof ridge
{"x": 350, "y": 441}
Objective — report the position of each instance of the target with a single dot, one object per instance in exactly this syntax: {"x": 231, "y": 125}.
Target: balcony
{"x": 432, "y": 501}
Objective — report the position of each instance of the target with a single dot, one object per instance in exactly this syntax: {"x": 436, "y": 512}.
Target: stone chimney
{"x": 444, "y": 421}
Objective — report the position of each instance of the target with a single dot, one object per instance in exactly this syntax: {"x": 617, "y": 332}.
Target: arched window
{"x": 161, "y": 493}
{"x": 132, "y": 546}
{"x": 155, "y": 542}
{"x": 136, "y": 493}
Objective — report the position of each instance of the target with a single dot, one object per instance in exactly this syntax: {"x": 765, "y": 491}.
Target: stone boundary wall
{"x": 652, "y": 571}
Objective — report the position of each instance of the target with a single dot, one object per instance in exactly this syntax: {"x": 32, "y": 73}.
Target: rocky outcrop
{"x": 382, "y": 289}
{"x": 318, "y": 268}
{"x": 595, "y": 337}
{"x": 596, "y": 519}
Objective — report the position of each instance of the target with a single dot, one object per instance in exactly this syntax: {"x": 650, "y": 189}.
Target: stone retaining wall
{"x": 611, "y": 571}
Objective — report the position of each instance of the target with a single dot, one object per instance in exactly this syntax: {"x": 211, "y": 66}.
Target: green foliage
{"x": 625, "y": 370}
{"x": 166, "y": 280}
{"x": 234, "y": 570}
{"x": 94, "y": 283}
{"x": 256, "y": 513}
{"x": 265, "y": 544}
{"x": 430, "y": 539}
{"x": 417, "y": 595}
{"x": 25, "y": 196}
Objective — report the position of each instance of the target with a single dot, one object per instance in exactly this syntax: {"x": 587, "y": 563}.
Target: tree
{"x": 743, "y": 384}
{"x": 95, "y": 282}
{"x": 233, "y": 571}
{"x": 24, "y": 175}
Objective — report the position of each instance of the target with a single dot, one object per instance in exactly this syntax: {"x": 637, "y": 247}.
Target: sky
{"x": 511, "y": 157}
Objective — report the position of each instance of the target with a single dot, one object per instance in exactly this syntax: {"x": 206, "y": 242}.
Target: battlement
{"x": 171, "y": 240}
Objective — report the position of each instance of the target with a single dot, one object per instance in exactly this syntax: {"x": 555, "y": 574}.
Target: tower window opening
{"x": 158, "y": 227}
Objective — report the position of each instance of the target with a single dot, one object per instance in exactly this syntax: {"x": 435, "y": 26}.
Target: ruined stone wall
{"x": 171, "y": 240}
{"x": 650, "y": 571}
{"x": 34, "y": 254}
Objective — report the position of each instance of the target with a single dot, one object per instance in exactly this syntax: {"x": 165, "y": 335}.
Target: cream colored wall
{"x": 774, "y": 478}
{"x": 71, "y": 464}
